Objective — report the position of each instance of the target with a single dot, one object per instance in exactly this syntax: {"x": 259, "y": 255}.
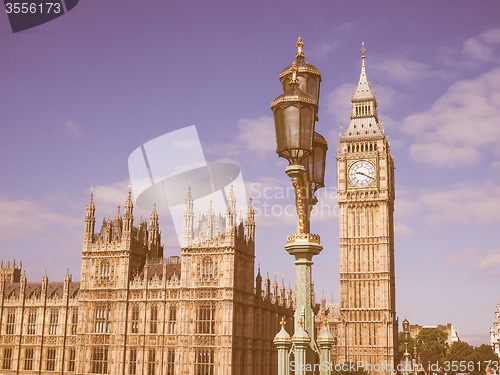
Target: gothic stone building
{"x": 365, "y": 321}
{"x": 495, "y": 331}
{"x": 134, "y": 312}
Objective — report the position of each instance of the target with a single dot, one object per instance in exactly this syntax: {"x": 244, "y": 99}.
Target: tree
{"x": 434, "y": 340}
{"x": 429, "y": 358}
{"x": 482, "y": 356}
{"x": 459, "y": 352}
{"x": 463, "y": 357}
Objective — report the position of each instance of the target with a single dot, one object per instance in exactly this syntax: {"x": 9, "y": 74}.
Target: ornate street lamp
{"x": 295, "y": 114}
{"x": 406, "y": 355}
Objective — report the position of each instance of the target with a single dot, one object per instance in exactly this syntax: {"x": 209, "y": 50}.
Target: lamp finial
{"x": 294, "y": 71}
{"x": 299, "y": 45}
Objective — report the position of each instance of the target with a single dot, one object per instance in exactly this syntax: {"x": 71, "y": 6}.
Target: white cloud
{"x": 401, "y": 69}
{"x": 108, "y": 197}
{"x": 403, "y": 230}
{"x": 440, "y": 154}
{"x": 491, "y": 36}
{"x": 495, "y": 164}
{"x": 478, "y": 259}
{"x": 255, "y": 140}
{"x": 482, "y": 47}
{"x": 468, "y": 203}
{"x": 23, "y": 217}
{"x": 257, "y": 136}
{"x": 406, "y": 207}
{"x": 73, "y": 129}
{"x": 338, "y": 104}
{"x": 460, "y": 126}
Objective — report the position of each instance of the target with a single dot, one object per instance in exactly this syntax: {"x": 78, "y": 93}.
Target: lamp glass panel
{"x": 319, "y": 165}
{"x": 280, "y": 131}
{"x": 292, "y": 127}
{"x": 302, "y": 82}
{"x": 312, "y": 87}
{"x": 286, "y": 84}
{"x": 306, "y": 128}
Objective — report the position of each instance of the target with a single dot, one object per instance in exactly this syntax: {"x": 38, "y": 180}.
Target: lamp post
{"x": 406, "y": 355}
{"x": 295, "y": 114}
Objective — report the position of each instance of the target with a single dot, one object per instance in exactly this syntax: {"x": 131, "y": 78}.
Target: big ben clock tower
{"x": 365, "y": 184}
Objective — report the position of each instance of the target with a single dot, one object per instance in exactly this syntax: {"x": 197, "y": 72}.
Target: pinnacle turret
{"x": 128, "y": 218}
{"x": 118, "y": 216}
{"x": 188, "y": 220}
{"x": 231, "y": 211}
{"x": 154, "y": 238}
{"x": 250, "y": 222}
{"x": 88, "y": 236}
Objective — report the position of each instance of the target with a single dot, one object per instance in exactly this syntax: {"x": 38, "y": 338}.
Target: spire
{"x": 154, "y": 217}
{"x": 282, "y": 293}
{"x": 275, "y": 291}
{"x": 108, "y": 230}
{"x": 364, "y": 122}
{"x": 231, "y": 211}
{"x": 289, "y": 295}
{"x": 154, "y": 238}
{"x": 189, "y": 197}
{"x": 258, "y": 283}
{"x": 45, "y": 281}
{"x": 250, "y": 222}
{"x": 118, "y": 216}
{"x": 88, "y": 236}
{"x": 267, "y": 287}
{"x": 363, "y": 91}
{"x": 128, "y": 218}
{"x": 90, "y": 205}
{"x": 188, "y": 220}
{"x": 210, "y": 221}
{"x": 323, "y": 301}
{"x": 129, "y": 206}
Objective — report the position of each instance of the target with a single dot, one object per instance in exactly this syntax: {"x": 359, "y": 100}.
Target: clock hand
{"x": 365, "y": 175}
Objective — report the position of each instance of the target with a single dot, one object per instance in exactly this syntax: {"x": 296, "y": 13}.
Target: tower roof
{"x": 364, "y": 114}
{"x": 364, "y": 90}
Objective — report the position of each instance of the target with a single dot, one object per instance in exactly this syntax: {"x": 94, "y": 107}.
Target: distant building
{"x": 495, "y": 331}
{"x": 448, "y": 329}
{"x": 135, "y": 313}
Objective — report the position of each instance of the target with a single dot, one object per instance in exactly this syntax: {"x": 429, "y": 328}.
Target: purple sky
{"x": 80, "y": 93}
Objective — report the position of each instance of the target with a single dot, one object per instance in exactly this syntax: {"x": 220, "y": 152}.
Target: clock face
{"x": 362, "y": 173}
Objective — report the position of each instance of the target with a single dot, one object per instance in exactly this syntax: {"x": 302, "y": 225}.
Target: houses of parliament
{"x": 134, "y": 312}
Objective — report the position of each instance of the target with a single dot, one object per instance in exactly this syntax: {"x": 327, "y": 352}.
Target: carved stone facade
{"x": 134, "y": 312}
{"x": 495, "y": 331}
{"x": 365, "y": 323}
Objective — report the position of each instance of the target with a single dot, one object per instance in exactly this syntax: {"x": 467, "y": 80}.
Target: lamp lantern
{"x": 294, "y": 119}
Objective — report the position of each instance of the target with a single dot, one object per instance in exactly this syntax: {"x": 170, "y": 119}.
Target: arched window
{"x": 105, "y": 270}
{"x": 207, "y": 270}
